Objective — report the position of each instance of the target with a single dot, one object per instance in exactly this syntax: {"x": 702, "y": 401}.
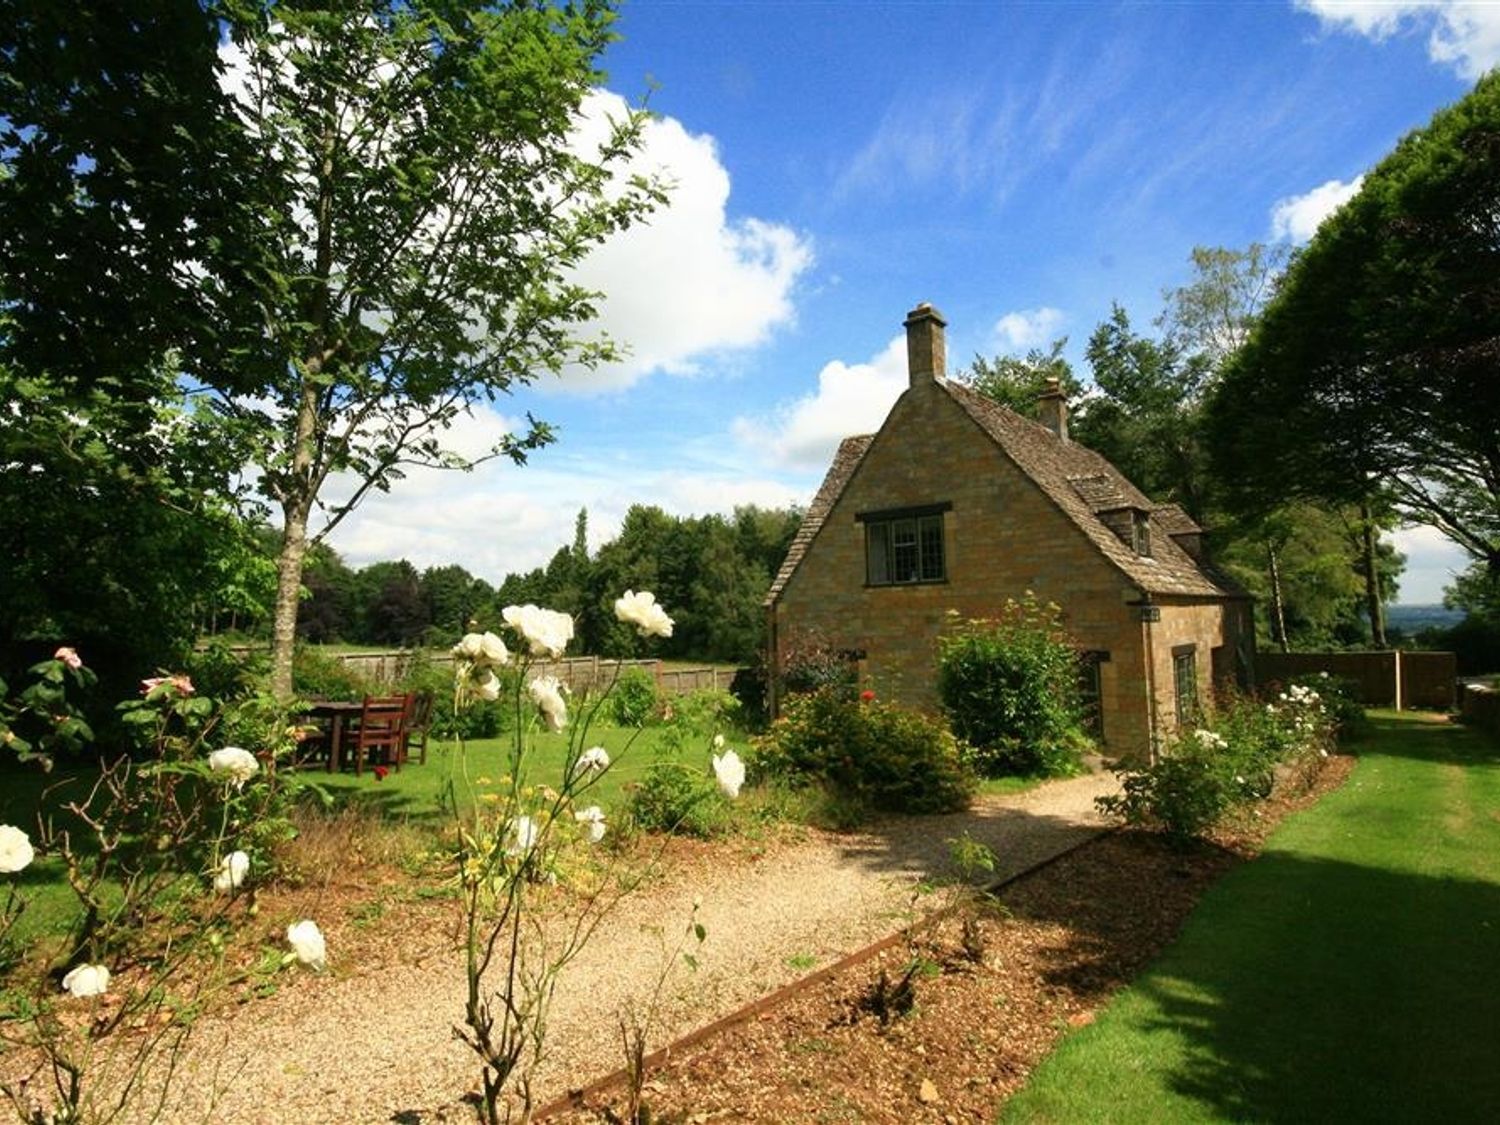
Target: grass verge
{"x": 1347, "y": 974}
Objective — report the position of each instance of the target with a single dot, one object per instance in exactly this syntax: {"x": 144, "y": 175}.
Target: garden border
{"x": 578, "y": 1098}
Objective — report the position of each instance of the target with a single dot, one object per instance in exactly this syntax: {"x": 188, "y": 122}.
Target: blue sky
{"x": 1021, "y": 166}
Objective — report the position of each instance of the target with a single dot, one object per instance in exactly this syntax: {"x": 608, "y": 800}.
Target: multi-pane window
{"x": 905, "y": 546}
{"x": 1141, "y": 533}
{"x": 1185, "y": 683}
{"x": 1091, "y": 691}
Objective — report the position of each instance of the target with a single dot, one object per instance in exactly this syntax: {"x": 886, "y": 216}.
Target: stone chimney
{"x": 1053, "y": 407}
{"x": 926, "y": 351}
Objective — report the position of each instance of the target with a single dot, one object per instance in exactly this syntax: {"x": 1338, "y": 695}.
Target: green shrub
{"x": 1185, "y": 793}
{"x": 810, "y": 664}
{"x": 219, "y": 670}
{"x": 675, "y": 798}
{"x": 318, "y": 675}
{"x": 478, "y": 719}
{"x": 886, "y": 758}
{"x": 1009, "y": 686}
{"x": 749, "y": 689}
{"x": 632, "y": 703}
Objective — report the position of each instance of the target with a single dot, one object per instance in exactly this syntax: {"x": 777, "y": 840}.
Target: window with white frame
{"x": 905, "y": 545}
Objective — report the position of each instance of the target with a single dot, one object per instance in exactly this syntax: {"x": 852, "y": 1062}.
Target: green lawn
{"x": 414, "y": 791}
{"x": 411, "y": 794}
{"x": 1350, "y": 973}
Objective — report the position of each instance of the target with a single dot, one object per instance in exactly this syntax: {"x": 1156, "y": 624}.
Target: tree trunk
{"x": 298, "y": 494}
{"x": 288, "y": 597}
{"x": 1278, "y": 610}
{"x": 1373, "y": 606}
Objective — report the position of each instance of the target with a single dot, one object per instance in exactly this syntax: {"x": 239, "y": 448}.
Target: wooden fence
{"x": 1390, "y": 678}
{"x": 1480, "y": 705}
{"x": 580, "y": 673}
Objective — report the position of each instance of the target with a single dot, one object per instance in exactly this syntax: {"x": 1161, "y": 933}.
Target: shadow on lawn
{"x": 1428, "y": 737}
{"x": 1347, "y": 993}
{"x": 1310, "y": 988}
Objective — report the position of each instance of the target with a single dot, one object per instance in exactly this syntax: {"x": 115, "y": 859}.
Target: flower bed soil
{"x": 1055, "y": 947}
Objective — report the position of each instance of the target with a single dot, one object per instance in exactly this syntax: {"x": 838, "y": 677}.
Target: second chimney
{"x": 1052, "y": 406}
{"x": 926, "y": 351}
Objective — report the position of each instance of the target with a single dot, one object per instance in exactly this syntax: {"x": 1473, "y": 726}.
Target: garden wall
{"x": 1382, "y": 679}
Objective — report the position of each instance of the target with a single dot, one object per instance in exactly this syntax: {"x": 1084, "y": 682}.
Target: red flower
{"x": 867, "y": 697}
{"x": 380, "y": 772}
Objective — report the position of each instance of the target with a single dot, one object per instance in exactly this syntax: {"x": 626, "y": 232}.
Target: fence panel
{"x": 1429, "y": 679}
{"x": 1481, "y": 706}
{"x": 580, "y": 673}
{"x": 1381, "y": 679}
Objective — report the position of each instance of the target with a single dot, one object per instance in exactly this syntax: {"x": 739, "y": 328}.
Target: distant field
{"x": 1414, "y": 618}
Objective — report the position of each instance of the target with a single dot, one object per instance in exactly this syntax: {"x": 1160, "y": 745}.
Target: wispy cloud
{"x": 1299, "y": 216}
{"x": 987, "y": 134}
{"x": 1462, "y": 35}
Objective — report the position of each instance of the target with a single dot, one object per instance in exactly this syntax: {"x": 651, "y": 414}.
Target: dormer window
{"x": 1140, "y": 531}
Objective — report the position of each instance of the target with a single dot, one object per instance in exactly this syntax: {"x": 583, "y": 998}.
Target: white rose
{"x": 239, "y": 764}
{"x": 307, "y": 943}
{"x": 592, "y": 820}
{"x": 641, "y": 610}
{"x": 16, "y": 851}
{"x": 730, "y": 773}
{"x": 232, "y": 870}
{"x": 86, "y": 980}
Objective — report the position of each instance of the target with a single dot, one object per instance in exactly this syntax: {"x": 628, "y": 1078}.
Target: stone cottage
{"x": 958, "y": 504}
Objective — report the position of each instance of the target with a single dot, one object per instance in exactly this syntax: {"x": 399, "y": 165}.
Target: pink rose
{"x": 69, "y": 656}
{"x": 179, "y": 684}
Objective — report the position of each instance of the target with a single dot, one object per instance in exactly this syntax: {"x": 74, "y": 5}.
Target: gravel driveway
{"x": 376, "y": 1046}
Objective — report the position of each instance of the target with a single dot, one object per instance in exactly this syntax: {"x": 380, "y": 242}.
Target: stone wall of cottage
{"x": 1002, "y": 537}
{"x": 1208, "y": 632}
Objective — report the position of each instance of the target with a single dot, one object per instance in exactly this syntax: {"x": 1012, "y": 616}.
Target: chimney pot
{"x": 926, "y": 349}
{"x": 1053, "y": 407}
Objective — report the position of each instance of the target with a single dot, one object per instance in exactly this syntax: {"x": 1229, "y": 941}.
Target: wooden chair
{"x": 381, "y": 731}
{"x": 418, "y": 723}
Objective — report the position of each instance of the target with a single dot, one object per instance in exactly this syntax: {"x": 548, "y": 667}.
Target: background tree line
{"x": 711, "y": 572}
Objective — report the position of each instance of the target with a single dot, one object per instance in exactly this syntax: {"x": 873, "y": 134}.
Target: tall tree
{"x": 1375, "y": 363}
{"x": 1145, "y": 418}
{"x": 1016, "y": 381}
{"x": 412, "y": 183}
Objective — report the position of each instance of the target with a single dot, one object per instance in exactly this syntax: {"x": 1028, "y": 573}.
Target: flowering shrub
{"x": 517, "y": 837}
{"x": 811, "y": 664}
{"x": 1340, "y": 698}
{"x": 882, "y": 756}
{"x": 41, "y": 720}
{"x": 1211, "y": 771}
{"x": 1009, "y": 686}
{"x": 159, "y": 853}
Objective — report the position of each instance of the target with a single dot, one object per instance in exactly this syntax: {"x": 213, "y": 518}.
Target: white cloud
{"x": 501, "y": 519}
{"x": 1024, "y": 329}
{"x": 1463, "y": 35}
{"x": 850, "y": 399}
{"x": 690, "y": 281}
{"x": 1299, "y": 216}
{"x": 1432, "y": 562}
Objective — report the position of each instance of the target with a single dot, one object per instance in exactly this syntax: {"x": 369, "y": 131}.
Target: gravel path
{"x": 376, "y": 1046}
